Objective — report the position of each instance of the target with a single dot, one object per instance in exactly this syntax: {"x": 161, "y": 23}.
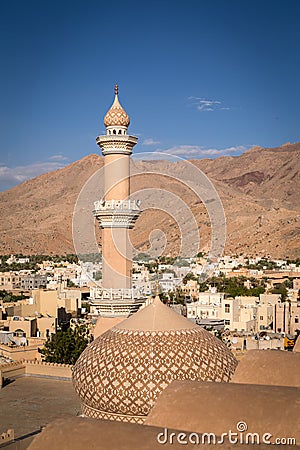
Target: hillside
{"x": 259, "y": 191}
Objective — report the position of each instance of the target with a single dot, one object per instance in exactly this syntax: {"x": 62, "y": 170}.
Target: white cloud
{"x": 11, "y": 176}
{"x": 58, "y": 158}
{"x": 150, "y": 141}
{"x": 204, "y": 108}
{"x": 197, "y": 151}
{"x": 203, "y": 104}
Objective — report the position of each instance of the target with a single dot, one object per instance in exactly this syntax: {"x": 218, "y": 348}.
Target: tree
{"x": 189, "y": 276}
{"x": 65, "y": 347}
{"x": 235, "y": 286}
{"x": 282, "y": 290}
{"x": 7, "y": 297}
{"x": 87, "y": 306}
{"x": 288, "y": 283}
{"x": 98, "y": 275}
{"x": 202, "y": 286}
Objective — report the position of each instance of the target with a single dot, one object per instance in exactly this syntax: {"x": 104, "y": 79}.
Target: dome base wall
{"x": 88, "y": 411}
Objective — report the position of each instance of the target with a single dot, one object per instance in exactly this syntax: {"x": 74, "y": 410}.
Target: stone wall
{"x": 11, "y": 370}
{"x": 52, "y": 370}
{"x": 18, "y": 369}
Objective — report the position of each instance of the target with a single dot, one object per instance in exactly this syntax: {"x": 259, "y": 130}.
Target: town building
{"x": 242, "y": 313}
{"x": 33, "y": 281}
{"x": 168, "y": 282}
{"x": 190, "y": 289}
{"x": 9, "y": 281}
{"x": 287, "y": 317}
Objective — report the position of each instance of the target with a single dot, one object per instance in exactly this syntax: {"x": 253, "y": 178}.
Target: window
{"x": 261, "y": 317}
{"x": 296, "y": 319}
{"x": 227, "y": 307}
{"x": 227, "y": 322}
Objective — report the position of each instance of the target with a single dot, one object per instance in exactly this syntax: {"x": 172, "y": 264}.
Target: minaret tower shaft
{"x": 116, "y": 213}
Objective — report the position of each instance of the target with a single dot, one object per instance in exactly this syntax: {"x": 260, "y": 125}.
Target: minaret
{"x": 116, "y": 213}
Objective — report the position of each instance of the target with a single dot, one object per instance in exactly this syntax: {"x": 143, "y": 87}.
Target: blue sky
{"x": 198, "y": 78}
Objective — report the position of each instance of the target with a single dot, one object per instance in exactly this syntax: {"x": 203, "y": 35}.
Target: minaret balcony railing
{"x": 117, "y": 213}
{"x": 117, "y": 205}
{"x": 113, "y": 144}
{"x": 116, "y": 294}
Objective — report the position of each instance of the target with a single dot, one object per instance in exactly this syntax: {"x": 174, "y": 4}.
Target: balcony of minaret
{"x": 114, "y": 144}
{"x": 117, "y": 213}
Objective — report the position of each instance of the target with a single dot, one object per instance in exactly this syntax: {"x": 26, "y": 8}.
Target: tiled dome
{"x": 116, "y": 115}
{"x": 120, "y": 375}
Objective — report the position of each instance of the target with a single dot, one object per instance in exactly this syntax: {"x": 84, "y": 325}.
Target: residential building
{"x": 33, "y": 281}
{"x": 9, "y": 281}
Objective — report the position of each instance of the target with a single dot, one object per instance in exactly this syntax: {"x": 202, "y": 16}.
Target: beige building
{"x": 287, "y": 317}
{"x": 21, "y": 308}
{"x": 46, "y": 302}
{"x": 251, "y": 314}
{"x": 270, "y": 299}
{"x": 22, "y": 327}
{"x": 190, "y": 289}
{"x": 212, "y": 297}
{"x": 27, "y": 327}
{"x": 198, "y": 310}
{"x": 229, "y": 311}
{"x": 140, "y": 273}
{"x": 70, "y": 299}
{"x": 9, "y": 281}
{"x": 264, "y": 316}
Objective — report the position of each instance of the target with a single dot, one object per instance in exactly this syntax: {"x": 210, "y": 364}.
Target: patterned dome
{"x": 120, "y": 375}
{"x": 116, "y": 116}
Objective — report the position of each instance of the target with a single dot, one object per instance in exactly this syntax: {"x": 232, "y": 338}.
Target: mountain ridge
{"x": 259, "y": 191}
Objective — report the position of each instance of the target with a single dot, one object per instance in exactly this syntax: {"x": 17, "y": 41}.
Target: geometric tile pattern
{"x": 120, "y": 375}
{"x": 116, "y": 116}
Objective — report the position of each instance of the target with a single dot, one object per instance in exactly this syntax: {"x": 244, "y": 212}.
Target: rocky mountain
{"x": 259, "y": 191}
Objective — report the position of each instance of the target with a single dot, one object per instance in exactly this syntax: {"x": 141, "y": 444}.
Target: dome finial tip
{"x": 116, "y": 89}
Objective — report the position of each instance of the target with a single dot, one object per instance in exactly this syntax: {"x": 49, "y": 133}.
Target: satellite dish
{"x": 234, "y": 340}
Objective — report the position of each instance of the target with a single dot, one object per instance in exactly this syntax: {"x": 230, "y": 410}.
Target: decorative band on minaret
{"x": 116, "y": 213}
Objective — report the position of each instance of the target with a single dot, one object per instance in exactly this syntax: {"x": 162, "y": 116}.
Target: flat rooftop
{"x": 30, "y": 402}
